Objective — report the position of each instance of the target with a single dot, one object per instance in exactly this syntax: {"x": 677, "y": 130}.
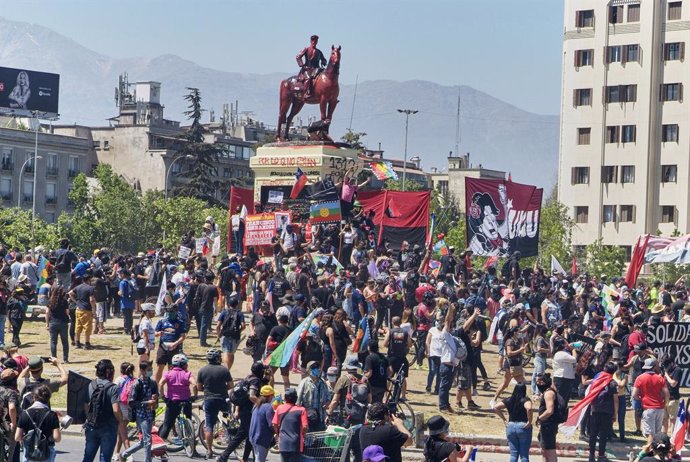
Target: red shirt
{"x": 423, "y": 318}
{"x": 635, "y": 338}
{"x": 651, "y": 387}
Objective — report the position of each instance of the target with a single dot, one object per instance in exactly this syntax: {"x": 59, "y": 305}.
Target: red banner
{"x": 259, "y": 229}
{"x": 502, "y": 217}
{"x": 398, "y": 216}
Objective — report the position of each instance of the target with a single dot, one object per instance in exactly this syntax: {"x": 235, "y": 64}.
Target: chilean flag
{"x": 680, "y": 428}
{"x": 578, "y": 411}
{"x": 300, "y": 181}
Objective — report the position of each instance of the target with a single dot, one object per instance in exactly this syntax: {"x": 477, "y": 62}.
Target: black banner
{"x": 672, "y": 339}
{"x": 24, "y": 91}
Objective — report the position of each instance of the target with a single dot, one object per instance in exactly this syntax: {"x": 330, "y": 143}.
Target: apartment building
{"x": 625, "y": 128}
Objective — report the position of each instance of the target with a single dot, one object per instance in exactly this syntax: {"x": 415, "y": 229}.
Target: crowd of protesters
{"x": 352, "y": 286}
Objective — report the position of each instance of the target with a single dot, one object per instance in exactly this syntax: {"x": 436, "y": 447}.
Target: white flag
{"x": 244, "y": 212}
{"x": 161, "y": 296}
{"x": 556, "y": 267}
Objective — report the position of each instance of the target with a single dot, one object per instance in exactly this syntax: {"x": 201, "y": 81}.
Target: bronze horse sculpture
{"x": 325, "y": 94}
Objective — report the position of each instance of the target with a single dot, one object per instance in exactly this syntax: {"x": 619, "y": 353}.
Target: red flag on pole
{"x": 636, "y": 261}
{"x": 573, "y": 266}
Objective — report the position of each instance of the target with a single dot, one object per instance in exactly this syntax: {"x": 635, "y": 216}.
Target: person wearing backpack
{"x": 31, "y": 377}
{"x": 143, "y": 402}
{"x": 38, "y": 428}
{"x": 313, "y": 393}
{"x": 214, "y": 380}
{"x": 604, "y": 411}
{"x": 229, "y": 329}
{"x": 547, "y": 417}
{"x": 102, "y": 408}
{"x": 399, "y": 343}
{"x": 124, "y": 385}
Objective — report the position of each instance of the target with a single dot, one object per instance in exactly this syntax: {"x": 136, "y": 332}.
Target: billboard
{"x": 24, "y": 91}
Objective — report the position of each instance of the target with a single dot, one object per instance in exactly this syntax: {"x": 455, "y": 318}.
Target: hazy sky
{"x": 510, "y": 49}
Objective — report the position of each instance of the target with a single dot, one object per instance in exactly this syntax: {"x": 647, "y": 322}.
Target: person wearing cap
{"x": 290, "y": 425}
{"x": 178, "y": 385}
{"x": 650, "y": 388}
{"x": 33, "y": 375}
{"x": 437, "y": 448}
{"x": 659, "y": 450}
{"x": 385, "y": 430}
{"x": 146, "y": 332}
{"x": 261, "y": 426}
{"x": 332, "y": 376}
{"x": 373, "y": 453}
{"x": 172, "y": 332}
{"x": 313, "y": 393}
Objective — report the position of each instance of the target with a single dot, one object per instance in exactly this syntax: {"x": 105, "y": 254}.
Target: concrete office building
{"x": 625, "y": 128}
{"x": 62, "y": 158}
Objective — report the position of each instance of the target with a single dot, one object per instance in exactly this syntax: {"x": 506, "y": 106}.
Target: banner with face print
{"x": 502, "y": 217}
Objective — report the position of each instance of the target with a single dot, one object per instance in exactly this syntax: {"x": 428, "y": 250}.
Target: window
{"x": 674, "y": 51}
{"x": 50, "y": 217}
{"x": 672, "y": 92}
{"x": 608, "y": 214}
{"x": 581, "y": 214}
{"x": 631, "y": 53}
{"x": 613, "y": 54}
{"x": 6, "y": 189}
{"x": 96, "y": 144}
{"x": 674, "y": 10}
{"x": 609, "y": 174}
{"x": 629, "y": 93}
{"x": 28, "y": 190}
{"x": 584, "y": 58}
{"x": 628, "y": 174}
{"x": 669, "y": 173}
{"x": 580, "y": 175}
{"x": 627, "y": 214}
{"x": 7, "y": 162}
{"x": 668, "y": 214}
{"x": 51, "y": 164}
{"x": 106, "y": 145}
{"x": 669, "y": 133}
{"x": 51, "y": 193}
{"x": 227, "y": 172}
{"x": 584, "y": 18}
{"x": 613, "y": 94}
{"x": 616, "y": 14}
{"x": 612, "y": 134}
{"x": 634, "y": 13}
{"x": 582, "y": 97}
{"x": 73, "y": 166}
{"x": 583, "y": 135}
{"x": 628, "y": 133}
{"x": 29, "y": 158}
{"x": 621, "y": 94}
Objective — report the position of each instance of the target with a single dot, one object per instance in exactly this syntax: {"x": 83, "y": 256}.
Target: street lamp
{"x": 167, "y": 174}
{"x": 21, "y": 171}
{"x": 407, "y": 113}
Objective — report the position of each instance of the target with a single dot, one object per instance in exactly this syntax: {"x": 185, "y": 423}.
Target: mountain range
{"x": 497, "y": 134}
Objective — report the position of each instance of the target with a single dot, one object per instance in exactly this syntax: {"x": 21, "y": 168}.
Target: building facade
{"x": 624, "y": 159}
{"x": 61, "y": 158}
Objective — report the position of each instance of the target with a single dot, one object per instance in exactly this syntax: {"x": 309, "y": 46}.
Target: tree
{"x": 202, "y": 183}
{"x": 15, "y": 230}
{"x": 604, "y": 259}
{"x": 555, "y": 231}
{"x": 456, "y": 235}
{"x": 446, "y": 211}
{"x": 396, "y": 185}
{"x": 354, "y": 139}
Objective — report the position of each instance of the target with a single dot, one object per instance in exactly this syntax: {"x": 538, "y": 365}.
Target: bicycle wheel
{"x": 220, "y": 436}
{"x": 404, "y": 408}
{"x": 188, "y": 437}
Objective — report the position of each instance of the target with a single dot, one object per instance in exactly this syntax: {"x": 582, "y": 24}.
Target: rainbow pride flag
{"x": 280, "y": 357}
{"x": 383, "y": 171}
{"x": 325, "y": 212}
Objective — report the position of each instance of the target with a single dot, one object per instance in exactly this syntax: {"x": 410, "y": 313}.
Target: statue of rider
{"x": 314, "y": 62}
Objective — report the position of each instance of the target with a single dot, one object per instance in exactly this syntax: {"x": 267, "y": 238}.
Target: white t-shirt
{"x": 435, "y": 342}
{"x": 564, "y": 365}
{"x": 146, "y": 326}
{"x": 447, "y": 351}
{"x": 288, "y": 240}
{"x": 349, "y": 238}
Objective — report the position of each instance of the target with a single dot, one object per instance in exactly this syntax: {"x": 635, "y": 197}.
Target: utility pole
{"x": 407, "y": 113}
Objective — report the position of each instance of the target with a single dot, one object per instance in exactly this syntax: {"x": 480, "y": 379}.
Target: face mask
{"x": 332, "y": 378}
{"x": 438, "y": 324}
{"x": 149, "y": 374}
{"x": 314, "y": 372}
{"x": 543, "y": 387}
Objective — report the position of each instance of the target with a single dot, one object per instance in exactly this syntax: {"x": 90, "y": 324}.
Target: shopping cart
{"x": 332, "y": 445}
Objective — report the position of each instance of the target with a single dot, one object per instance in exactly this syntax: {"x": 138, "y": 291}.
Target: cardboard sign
{"x": 259, "y": 229}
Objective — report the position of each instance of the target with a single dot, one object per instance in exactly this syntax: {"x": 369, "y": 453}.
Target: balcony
{"x": 72, "y": 173}
{"x": 52, "y": 171}
{"x": 7, "y": 166}
{"x": 51, "y": 200}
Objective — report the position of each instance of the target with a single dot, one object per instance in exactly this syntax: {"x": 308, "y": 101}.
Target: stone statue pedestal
{"x": 275, "y": 164}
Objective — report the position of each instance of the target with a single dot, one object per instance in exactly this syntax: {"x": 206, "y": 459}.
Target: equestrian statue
{"x": 314, "y": 84}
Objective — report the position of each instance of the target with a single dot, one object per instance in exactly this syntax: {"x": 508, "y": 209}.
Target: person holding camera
{"x": 437, "y": 448}
{"x": 385, "y": 430}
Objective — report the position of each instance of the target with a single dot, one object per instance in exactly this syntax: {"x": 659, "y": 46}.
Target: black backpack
{"x": 232, "y": 325}
{"x": 561, "y": 412}
{"x": 625, "y": 350}
{"x": 61, "y": 264}
{"x": 239, "y": 395}
{"x": 97, "y": 404}
{"x": 28, "y": 394}
{"x": 35, "y": 443}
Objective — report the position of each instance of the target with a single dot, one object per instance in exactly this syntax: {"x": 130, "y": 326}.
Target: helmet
{"x": 428, "y": 295}
{"x": 179, "y": 360}
{"x": 258, "y": 369}
{"x": 213, "y": 355}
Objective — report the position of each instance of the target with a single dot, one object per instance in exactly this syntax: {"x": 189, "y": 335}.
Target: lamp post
{"x": 21, "y": 172}
{"x": 167, "y": 174}
{"x": 407, "y": 113}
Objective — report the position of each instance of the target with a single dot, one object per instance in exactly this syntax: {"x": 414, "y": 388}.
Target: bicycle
{"x": 398, "y": 406}
{"x": 184, "y": 433}
{"x": 223, "y": 431}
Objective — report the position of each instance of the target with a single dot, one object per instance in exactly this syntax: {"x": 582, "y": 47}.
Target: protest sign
{"x": 672, "y": 339}
{"x": 184, "y": 252}
{"x": 259, "y": 229}
{"x": 200, "y": 243}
